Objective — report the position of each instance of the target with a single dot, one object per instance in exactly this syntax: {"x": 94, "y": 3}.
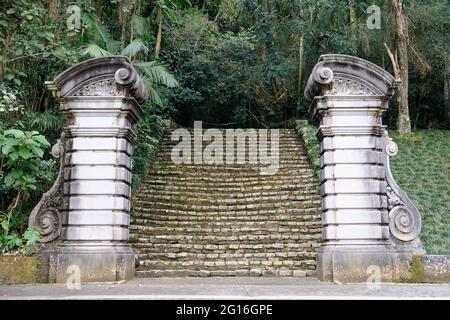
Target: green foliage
{"x": 222, "y": 80}
{"x": 100, "y": 35}
{"x": 13, "y": 243}
{"x": 10, "y": 104}
{"x": 23, "y": 33}
{"x": 21, "y": 150}
{"x": 308, "y": 136}
{"x": 154, "y": 72}
{"x": 21, "y": 154}
{"x": 149, "y": 131}
{"x": 422, "y": 169}
{"x": 47, "y": 122}
{"x": 226, "y": 62}
{"x": 134, "y": 47}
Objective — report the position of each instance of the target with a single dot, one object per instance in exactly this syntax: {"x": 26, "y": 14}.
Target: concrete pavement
{"x": 220, "y": 288}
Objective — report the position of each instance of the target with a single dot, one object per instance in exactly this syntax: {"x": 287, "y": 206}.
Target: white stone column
{"x": 349, "y": 96}
{"x": 100, "y": 102}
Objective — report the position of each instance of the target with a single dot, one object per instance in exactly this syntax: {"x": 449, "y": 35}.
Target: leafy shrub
{"x": 308, "y": 135}
{"x": 20, "y": 164}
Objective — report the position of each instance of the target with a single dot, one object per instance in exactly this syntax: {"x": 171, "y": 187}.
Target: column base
{"x": 360, "y": 264}
{"x": 92, "y": 262}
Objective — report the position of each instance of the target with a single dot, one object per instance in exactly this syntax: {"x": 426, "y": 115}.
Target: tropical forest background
{"x": 229, "y": 63}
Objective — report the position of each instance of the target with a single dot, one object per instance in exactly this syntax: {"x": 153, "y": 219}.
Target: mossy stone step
{"x": 227, "y": 219}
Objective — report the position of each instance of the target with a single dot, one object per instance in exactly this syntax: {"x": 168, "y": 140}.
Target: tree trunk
{"x": 122, "y": 24}
{"x": 447, "y": 93}
{"x": 52, "y": 9}
{"x": 300, "y": 71}
{"x": 353, "y": 24}
{"x": 159, "y": 35}
{"x": 403, "y": 120}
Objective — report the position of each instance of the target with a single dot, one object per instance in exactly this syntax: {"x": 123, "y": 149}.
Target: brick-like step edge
{"x": 225, "y": 273}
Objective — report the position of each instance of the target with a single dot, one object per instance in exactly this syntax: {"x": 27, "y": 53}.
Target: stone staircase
{"x": 227, "y": 220}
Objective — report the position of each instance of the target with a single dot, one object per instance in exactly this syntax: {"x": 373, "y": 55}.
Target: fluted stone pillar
{"x": 349, "y": 96}
{"x": 100, "y": 100}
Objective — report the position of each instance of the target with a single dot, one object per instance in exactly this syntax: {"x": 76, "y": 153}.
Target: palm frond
{"x": 135, "y": 46}
{"x": 94, "y": 51}
{"x": 153, "y": 96}
{"x": 44, "y": 121}
{"x": 100, "y": 32}
{"x": 140, "y": 24}
{"x": 157, "y": 73}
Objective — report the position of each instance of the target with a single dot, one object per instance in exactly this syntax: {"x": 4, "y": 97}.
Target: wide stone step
{"x": 243, "y": 189}
{"x": 168, "y": 165}
{"x": 232, "y": 186}
{"x": 288, "y": 204}
{"x": 186, "y": 220}
{"x": 256, "y": 272}
{"x": 257, "y": 173}
{"x": 210, "y": 258}
{"x": 282, "y": 136}
{"x": 282, "y": 152}
{"x": 246, "y": 215}
{"x": 229, "y": 201}
{"x": 225, "y": 193}
{"x": 255, "y": 239}
{"x": 166, "y": 158}
{"x": 146, "y": 247}
{"x": 287, "y": 223}
{"x": 231, "y": 181}
{"x": 240, "y": 230}
{"x": 225, "y": 264}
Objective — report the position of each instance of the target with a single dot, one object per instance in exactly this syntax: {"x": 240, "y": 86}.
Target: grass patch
{"x": 422, "y": 169}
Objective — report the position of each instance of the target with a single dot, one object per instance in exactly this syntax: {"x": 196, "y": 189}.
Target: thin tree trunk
{"x": 403, "y": 120}
{"x": 300, "y": 70}
{"x": 447, "y": 93}
{"x": 353, "y": 25}
{"x": 52, "y": 8}
{"x": 159, "y": 35}
{"x": 122, "y": 23}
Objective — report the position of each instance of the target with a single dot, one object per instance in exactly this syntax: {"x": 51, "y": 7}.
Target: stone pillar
{"x": 90, "y": 200}
{"x": 363, "y": 233}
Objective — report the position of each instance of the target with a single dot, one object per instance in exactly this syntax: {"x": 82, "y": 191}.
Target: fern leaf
{"x": 153, "y": 96}
{"x": 135, "y": 46}
{"x": 100, "y": 32}
{"x": 157, "y": 73}
{"x": 94, "y": 51}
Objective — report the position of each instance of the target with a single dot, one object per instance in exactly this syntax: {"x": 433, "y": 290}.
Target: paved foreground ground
{"x": 227, "y": 288}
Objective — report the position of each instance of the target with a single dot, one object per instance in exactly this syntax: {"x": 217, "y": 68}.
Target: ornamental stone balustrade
{"x": 369, "y": 223}
{"x": 86, "y": 212}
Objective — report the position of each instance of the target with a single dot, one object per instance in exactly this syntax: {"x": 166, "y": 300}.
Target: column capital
{"x": 339, "y": 74}
{"x": 100, "y": 77}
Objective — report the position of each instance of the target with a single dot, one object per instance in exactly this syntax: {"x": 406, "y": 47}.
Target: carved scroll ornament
{"x": 405, "y": 221}
{"x": 46, "y": 215}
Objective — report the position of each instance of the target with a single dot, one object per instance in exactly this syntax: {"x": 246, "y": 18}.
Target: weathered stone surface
{"x": 227, "y": 219}
{"x": 100, "y": 102}
{"x": 430, "y": 268}
{"x": 18, "y": 269}
{"x": 369, "y": 224}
